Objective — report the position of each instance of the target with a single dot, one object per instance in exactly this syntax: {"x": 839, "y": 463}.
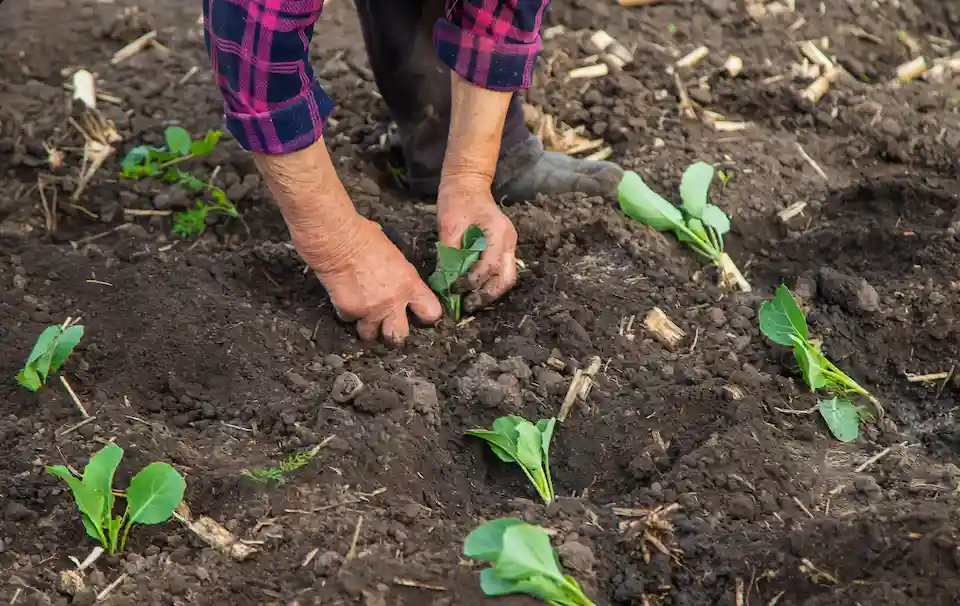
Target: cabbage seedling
{"x": 523, "y": 562}
{"x": 515, "y": 440}
{"x": 151, "y": 498}
{"x": 452, "y": 263}
{"x": 144, "y": 161}
{"x": 53, "y": 347}
{"x": 697, "y": 223}
{"x": 784, "y": 323}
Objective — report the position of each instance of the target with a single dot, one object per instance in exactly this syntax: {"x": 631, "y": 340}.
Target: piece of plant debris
{"x": 151, "y": 498}
{"x": 279, "y": 475}
{"x": 452, "y": 263}
{"x": 53, "y": 347}
{"x": 784, "y": 323}
{"x": 523, "y": 562}
{"x": 144, "y": 161}
{"x": 515, "y": 440}
{"x": 697, "y": 223}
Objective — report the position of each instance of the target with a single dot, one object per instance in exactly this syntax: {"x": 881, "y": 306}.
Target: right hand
{"x": 369, "y": 281}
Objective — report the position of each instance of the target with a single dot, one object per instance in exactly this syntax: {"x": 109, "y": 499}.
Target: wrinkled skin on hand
{"x": 371, "y": 283}
{"x": 458, "y": 207}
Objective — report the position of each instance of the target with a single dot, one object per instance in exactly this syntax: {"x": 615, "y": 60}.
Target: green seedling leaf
{"x": 178, "y": 140}
{"x": 527, "y": 553}
{"x": 154, "y": 493}
{"x": 502, "y": 445}
{"x": 694, "y": 187}
{"x": 89, "y": 502}
{"x": 715, "y": 219}
{"x": 529, "y": 448}
{"x": 641, "y": 203}
{"x": 486, "y": 542}
{"x": 842, "y": 417}
{"x": 207, "y": 145}
{"x": 781, "y": 319}
{"x": 811, "y": 362}
{"x": 98, "y": 477}
{"x": 64, "y": 345}
{"x": 452, "y": 263}
{"x": 53, "y": 347}
{"x": 536, "y": 586}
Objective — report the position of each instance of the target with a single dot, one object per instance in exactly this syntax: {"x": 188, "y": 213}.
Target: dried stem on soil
{"x": 579, "y": 387}
{"x": 663, "y": 328}
{"x": 133, "y": 48}
{"x": 213, "y": 534}
{"x": 352, "y": 552}
{"x": 791, "y": 211}
{"x": 73, "y": 396}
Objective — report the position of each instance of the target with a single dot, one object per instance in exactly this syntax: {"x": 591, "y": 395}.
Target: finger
{"x": 426, "y": 306}
{"x": 368, "y": 328}
{"x": 343, "y": 316}
{"x": 396, "y": 328}
{"x": 499, "y": 283}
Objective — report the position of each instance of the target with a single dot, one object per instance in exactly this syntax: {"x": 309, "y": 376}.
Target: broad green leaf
{"x": 473, "y": 239}
{"x": 486, "y": 542}
{"x": 134, "y": 158}
{"x": 641, "y": 203}
{"x": 546, "y": 427}
{"x": 178, "y": 140}
{"x": 694, "y": 187}
{"x": 207, "y": 145}
{"x": 42, "y": 350}
{"x": 154, "y": 493}
{"x": 537, "y": 586}
{"x": 98, "y": 476}
{"x": 781, "y": 317}
{"x": 88, "y": 500}
{"x": 842, "y": 417}
{"x": 715, "y": 219}
{"x": 502, "y": 446}
{"x": 454, "y": 262}
{"x": 507, "y": 425}
{"x": 526, "y": 553}
{"x": 64, "y": 345}
{"x": 93, "y": 531}
{"x": 529, "y": 448}
{"x": 29, "y": 378}
{"x": 811, "y": 362}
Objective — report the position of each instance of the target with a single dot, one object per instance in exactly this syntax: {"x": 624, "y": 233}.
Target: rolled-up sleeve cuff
{"x": 486, "y": 61}
{"x": 287, "y": 128}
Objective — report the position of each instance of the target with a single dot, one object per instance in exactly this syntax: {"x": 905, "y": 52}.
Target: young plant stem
{"x": 170, "y": 163}
{"x": 547, "y": 498}
{"x": 832, "y": 372}
{"x": 126, "y": 531}
{"x": 582, "y": 599}
{"x": 700, "y": 246}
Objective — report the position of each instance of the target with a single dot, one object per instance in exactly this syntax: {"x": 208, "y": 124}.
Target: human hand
{"x": 369, "y": 281}
{"x": 465, "y": 202}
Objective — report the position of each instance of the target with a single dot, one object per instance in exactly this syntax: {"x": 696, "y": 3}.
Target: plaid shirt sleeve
{"x": 491, "y": 43}
{"x": 260, "y": 52}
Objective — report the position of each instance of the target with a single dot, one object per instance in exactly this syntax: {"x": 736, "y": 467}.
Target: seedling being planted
{"x": 515, "y": 440}
{"x": 784, "y": 323}
{"x": 53, "y": 347}
{"x": 152, "y": 496}
{"x": 452, "y": 263}
{"x": 279, "y": 474}
{"x": 144, "y": 161}
{"x": 697, "y": 223}
{"x": 523, "y": 562}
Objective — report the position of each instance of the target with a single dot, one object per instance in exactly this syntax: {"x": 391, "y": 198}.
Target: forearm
{"x": 476, "y": 126}
{"x": 319, "y": 213}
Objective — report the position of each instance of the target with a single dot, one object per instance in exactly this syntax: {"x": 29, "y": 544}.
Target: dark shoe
{"x": 526, "y": 170}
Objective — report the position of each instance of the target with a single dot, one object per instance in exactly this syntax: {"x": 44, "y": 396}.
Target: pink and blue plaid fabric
{"x": 259, "y": 50}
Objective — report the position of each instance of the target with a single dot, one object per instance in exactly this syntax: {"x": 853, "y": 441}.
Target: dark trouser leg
{"x": 416, "y": 88}
{"x": 416, "y": 85}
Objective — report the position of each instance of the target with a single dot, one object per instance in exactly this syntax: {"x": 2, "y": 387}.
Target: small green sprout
{"x": 697, "y": 223}
{"x": 151, "y": 498}
{"x": 278, "y": 475}
{"x": 725, "y": 176}
{"x": 53, "y": 347}
{"x": 515, "y": 440}
{"x": 523, "y": 562}
{"x": 784, "y": 323}
{"x": 452, "y": 263}
{"x": 144, "y": 161}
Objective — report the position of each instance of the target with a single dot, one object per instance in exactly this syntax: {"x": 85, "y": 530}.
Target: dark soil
{"x": 222, "y": 354}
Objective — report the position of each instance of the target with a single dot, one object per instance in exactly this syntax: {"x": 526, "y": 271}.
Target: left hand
{"x": 462, "y": 203}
